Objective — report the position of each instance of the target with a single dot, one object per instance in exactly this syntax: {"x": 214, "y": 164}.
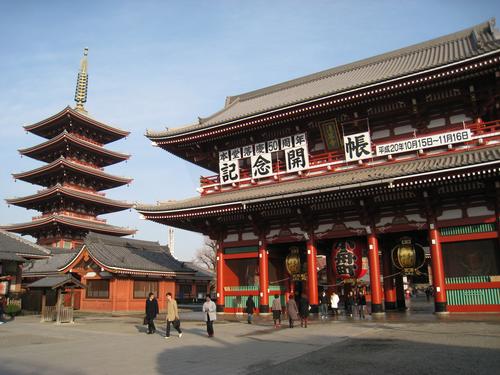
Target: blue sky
{"x": 154, "y": 64}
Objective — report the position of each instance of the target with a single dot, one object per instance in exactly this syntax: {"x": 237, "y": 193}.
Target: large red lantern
{"x": 347, "y": 256}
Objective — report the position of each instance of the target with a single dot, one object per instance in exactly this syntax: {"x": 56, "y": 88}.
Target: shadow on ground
{"x": 362, "y": 356}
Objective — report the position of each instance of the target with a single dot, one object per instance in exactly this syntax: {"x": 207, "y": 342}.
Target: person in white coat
{"x": 334, "y": 300}
{"x": 209, "y": 310}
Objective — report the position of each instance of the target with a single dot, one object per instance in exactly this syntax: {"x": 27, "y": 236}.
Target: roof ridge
{"x": 373, "y": 60}
{"x": 80, "y": 115}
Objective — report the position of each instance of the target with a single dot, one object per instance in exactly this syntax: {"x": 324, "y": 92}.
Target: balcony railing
{"x": 334, "y": 162}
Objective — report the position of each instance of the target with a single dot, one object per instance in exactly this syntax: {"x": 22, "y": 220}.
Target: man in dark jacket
{"x": 250, "y": 309}
{"x": 151, "y": 312}
{"x": 303, "y": 310}
{"x": 324, "y": 300}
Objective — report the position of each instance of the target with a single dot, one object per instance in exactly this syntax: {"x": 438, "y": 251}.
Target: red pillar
{"x": 374, "y": 274}
{"x": 263, "y": 277}
{"x": 220, "y": 277}
{"x": 312, "y": 274}
{"x": 437, "y": 270}
{"x": 389, "y": 289}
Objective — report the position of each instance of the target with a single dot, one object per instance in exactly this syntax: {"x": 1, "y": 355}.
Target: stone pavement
{"x": 119, "y": 345}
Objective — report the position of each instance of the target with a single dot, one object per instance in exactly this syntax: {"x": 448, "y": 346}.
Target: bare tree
{"x": 207, "y": 255}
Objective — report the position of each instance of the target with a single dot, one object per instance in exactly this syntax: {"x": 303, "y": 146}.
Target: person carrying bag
{"x": 172, "y": 316}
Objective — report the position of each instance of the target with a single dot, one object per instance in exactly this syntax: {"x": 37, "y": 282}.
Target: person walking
{"x": 151, "y": 312}
{"x": 209, "y": 309}
{"x": 354, "y": 308}
{"x": 292, "y": 310}
{"x": 172, "y": 316}
{"x": 428, "y": 293}
{"x": 304, "y": 310}
{"x": 276, "y": 309}
{"x": 334, "y": 300}
{"x": 323, "y": 307}
{"x": 349, "y": 302}
{"x": 361, "y": 304}
{"x": 250, "y": 309}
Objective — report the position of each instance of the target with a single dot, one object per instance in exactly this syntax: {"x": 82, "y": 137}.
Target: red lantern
{"x": 347, "y": 258}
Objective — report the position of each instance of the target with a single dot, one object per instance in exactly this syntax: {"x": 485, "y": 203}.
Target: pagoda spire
{"x": 82, "y": 83}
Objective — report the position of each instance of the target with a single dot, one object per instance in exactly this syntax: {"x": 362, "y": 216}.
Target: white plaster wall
{"x": 479, "y": 211}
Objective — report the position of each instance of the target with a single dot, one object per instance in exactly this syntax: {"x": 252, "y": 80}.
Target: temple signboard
{"x": 260, "y": 155}
{"x": 420, "y": 143}
{"x": 358, "y": 146}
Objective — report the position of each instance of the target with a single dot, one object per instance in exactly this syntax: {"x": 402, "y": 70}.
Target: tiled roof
{"x": 63, "y": 138}
{"x": 59, "y": 190}
{"x": 54, "y": 282}
{"x": 13, "y": 247}
{"x": 38, "y": 127}
{"x": 57, "y": 261}
{"x": 469, "y": 43}
{"x": 349, "y": 179}
{"x": 136, "y": 255}
{"x": 63, "y": 164}
{"x": 69, "y": 221}
{"x": 201, "y": 273}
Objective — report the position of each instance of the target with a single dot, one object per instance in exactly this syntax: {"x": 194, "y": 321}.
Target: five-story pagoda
{"x": 73, "y": 177}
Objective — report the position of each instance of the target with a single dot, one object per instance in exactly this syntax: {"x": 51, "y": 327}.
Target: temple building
{"x": 370, "y": 166}
{"x": 118, "y": 274}
{"x": 14, "y": 252}
{"x": 72, "y": 176}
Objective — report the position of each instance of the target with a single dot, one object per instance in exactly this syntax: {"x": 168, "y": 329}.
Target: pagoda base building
{"x": 355, "y": 179}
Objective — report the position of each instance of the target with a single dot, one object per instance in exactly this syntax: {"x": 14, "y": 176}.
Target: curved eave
{"x": 56, "y": 191}
{"x": 37, "y": 128}
{"x": 62, "y": 163}
{"x": 486, "y": 158}
{"x": 346, "y": 82}
{"x": 66, "y": 137}
{"x": 121, "y": 270}
{"x": 70, "y": 222}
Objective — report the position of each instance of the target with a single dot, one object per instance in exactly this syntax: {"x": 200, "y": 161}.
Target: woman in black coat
{"x": 151, "y": 312}
{"x": 303, "y": 310}
{"x": 250, "y": 309}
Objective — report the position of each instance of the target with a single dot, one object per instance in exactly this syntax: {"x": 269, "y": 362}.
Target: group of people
{"x": 172, "y": 316}
{"x": 295, "y": 311}
{"x": 355, "y": 303}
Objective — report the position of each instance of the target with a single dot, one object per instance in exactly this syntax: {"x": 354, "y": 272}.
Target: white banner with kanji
{"x": 296, "y": 159}
{"x": 357, "y": 146}
{"x": 262, "y": 165}
{"x": 229, "y": 171}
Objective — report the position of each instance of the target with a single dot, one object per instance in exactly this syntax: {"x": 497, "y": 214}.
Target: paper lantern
{"x": 347, "y": 258}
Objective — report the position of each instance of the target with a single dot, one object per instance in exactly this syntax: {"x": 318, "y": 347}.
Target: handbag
{"x": 176, "y": 323}
{"x": 145, "y": 321}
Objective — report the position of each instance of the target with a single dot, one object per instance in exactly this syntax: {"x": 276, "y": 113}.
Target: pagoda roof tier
{"x": 385, "y": 175}
{"x": 54, "y": 148}
{"x": 48, "y": 223}
{"x": 56, "y": 192}
{"x": 68, "y": 118}
{"x": 62, "y": 165}
{"x": 250, "y": 108}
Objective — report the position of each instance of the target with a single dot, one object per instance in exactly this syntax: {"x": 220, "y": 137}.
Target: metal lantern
{"x": 292, "y": 261}
{"x": 347, "y": 258}
{"x": 408, "y": 256}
